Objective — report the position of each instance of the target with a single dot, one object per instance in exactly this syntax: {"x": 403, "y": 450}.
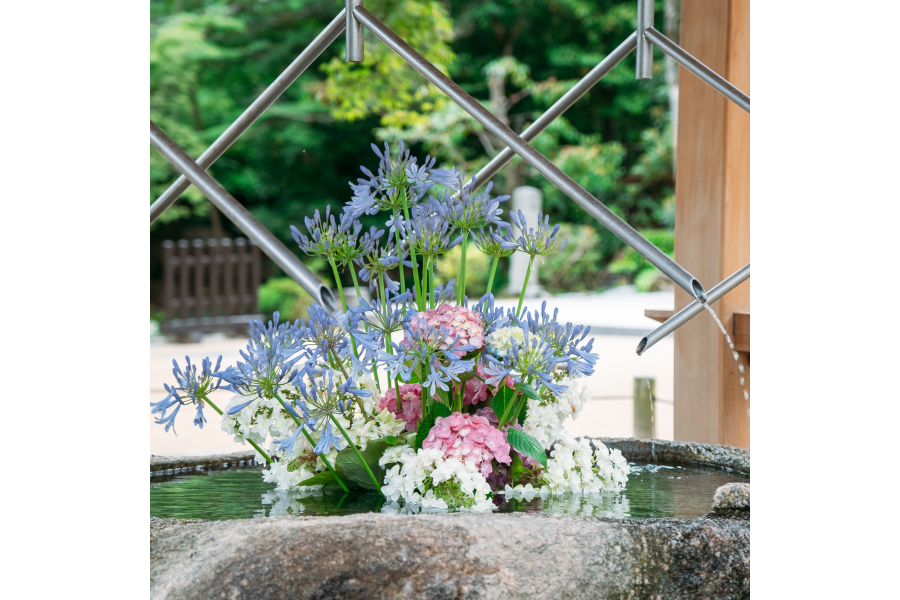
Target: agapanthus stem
{"x": 399, "y": 251}
{"x": 461, "y": 284}
{"x": 490, "y": 284}
{"x": 336, "y": 360}
{"x": 337, "y": 280}
{"x": 366, "y": 325}
{"x": 505, "y": 418}
{"x": 358, "y": 454}
{"x": 312, "y": 443}
{"x": 412, "y": 255}
{"x": 431, "y": 298}
{"x": 252, "y": 443}
{"x": 525, "y": 285}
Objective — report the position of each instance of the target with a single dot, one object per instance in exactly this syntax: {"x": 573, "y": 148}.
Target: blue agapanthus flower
{"x": 537, "y": 242}
{"x": 428, "y": 232}
{"x": 400, "y": 180}
{"x": 191, "y": 388}
{"x": 565, "y": 340}
{"x": 432, "y": 352}
{"x": 272, "y": 352}
{"x": 328, "y": 440}
{"x": 466, "y": 210}
{"x": 497, "y": 244}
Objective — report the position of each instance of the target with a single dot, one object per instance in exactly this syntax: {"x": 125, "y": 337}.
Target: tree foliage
{"x": 209, "y": 59}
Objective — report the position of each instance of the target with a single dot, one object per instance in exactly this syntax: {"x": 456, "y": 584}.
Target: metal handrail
{"x": 683, "y": 58}
{"x": 253, "y": 112}
{"x": 537, "y": 160}
{"x": 559, "y": 107}
{"x": 351, "y": 20}
{"x": 241, "y": 217}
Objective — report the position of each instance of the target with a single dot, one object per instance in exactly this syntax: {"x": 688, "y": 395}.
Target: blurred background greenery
{"x": 209, "y": 59}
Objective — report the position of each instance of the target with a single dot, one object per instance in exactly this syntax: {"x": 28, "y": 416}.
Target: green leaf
{"x": 523, "y": 413}
{"x": 527, "y": 445}
{"x": 437, "y": 410}
{"x": 392, "y": 440}
{"x": 352, "y": 469}
{"x": 502, "y": 400}
{"x": 530, "y": 392}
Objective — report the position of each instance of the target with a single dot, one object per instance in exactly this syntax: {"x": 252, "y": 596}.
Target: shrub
{"x": 284, "y": 295}
{"x": 478, "y": 267}
{"x": 636, "y": 268}
{"x": 578, "y": 267}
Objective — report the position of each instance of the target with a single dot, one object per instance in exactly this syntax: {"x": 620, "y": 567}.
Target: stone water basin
{"x": 658, "y": 539}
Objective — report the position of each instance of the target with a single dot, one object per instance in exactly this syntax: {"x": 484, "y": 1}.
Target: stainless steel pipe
{"x": 249, "y": 116}
{"x": 559, "y": 107}
{"x": 683, "y": 58}
{"x": 565, "y": 183}
{"x": 355, "y": 49}
{"x": 694, "y": 308}
{"x": 241, "y": 217}
{"x": 644, "y": 67}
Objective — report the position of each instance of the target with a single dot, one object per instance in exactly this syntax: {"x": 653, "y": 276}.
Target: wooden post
{"x": 644, "y": 418}
{"x": 712, "y": 221}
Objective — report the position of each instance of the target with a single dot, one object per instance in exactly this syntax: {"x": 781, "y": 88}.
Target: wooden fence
{"x": 210, "y": 285}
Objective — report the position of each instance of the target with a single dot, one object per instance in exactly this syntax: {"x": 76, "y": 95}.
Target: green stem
{"x": 491, "y": 277}
{"x": 412, "y": 255}
{"x": 399, "y": 253}
{"x": 337, "y": 280}
{"x": 366, "y": 325}
{"x": 312, "y": 443}
{"x": 431, "y": 298}
{"x": 461, "y": 283}
{"x": 358, "y": 454}
{"x": 505, "y": 418}
{"x": 252, "y": 443}
{"x": 525, "y": 285}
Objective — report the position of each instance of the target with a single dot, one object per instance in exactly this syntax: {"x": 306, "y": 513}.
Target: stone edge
{"x": 170, "y": 465}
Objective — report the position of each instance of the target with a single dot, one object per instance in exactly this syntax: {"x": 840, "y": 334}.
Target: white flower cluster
{"x": 571, "y": 467}
{"x": 287, "y": 502}
{"x": 501, "y": 340}
{"x": 426, "y": 479}
{"x": 265, "y": 420}
{"x": 545, "y": 420}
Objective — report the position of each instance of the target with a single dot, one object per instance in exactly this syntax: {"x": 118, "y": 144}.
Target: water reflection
{"x": 653, "y": 491}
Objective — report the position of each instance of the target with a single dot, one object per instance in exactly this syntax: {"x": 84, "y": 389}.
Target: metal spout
{"x": 694, "y": 308}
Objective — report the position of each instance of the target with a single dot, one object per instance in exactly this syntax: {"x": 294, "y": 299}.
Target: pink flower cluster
{"x": 469, "y": 438}
{"x": 458, "y": 320}
{"x": 410, "y": 401}
{"x": 477, "y": 391}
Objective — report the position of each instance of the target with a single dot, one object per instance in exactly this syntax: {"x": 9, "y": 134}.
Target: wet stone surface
{"x": 732, "y": 496}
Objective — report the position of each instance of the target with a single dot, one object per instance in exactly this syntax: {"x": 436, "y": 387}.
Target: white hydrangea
{"x": 416, "y": 476}
{"x": 501, "y": 340}
{"x": 278, "y": 473}
{"x": 545, "y": 420}
{"x": 571, "y": 467}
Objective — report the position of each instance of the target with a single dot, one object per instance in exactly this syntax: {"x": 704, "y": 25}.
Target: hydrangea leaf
{"x": 437, "y": 410}
{"x": 530, "y": 392}
{"x": 503, "y": 398}
{"x": 527, "y": 445}
{"x": 352, "y": 468}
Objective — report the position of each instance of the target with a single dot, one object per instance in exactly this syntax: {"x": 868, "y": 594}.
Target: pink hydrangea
{"x": 477, "y": 391}
{"x": 458, "y": 320}
{"x": 469, "y": 438}
{"x": 410, "y": 401}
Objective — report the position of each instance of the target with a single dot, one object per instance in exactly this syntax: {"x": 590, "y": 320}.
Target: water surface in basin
{"x": 652, "y": 491}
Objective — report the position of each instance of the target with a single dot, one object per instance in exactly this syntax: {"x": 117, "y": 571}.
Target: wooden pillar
{"x": 712, "y": 221}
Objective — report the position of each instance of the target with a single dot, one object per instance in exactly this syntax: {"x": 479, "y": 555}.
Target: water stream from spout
{"x": 733, "y": 351}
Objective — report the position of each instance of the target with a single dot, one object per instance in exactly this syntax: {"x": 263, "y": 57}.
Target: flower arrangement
{"x": 437, "y": 402}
